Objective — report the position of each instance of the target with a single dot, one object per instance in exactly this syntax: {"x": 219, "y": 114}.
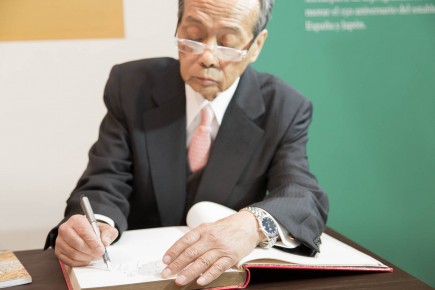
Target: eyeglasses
{"x": 221, "y": 52}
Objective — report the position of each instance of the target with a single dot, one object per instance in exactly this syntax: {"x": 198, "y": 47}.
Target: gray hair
{"x": 263, "y": 18}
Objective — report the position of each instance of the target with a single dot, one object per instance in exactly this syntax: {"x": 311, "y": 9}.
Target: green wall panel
{"x": 372, "y": 141}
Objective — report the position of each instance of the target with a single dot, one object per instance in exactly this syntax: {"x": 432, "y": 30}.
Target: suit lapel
{"x": 165, "y": 133}
{"x": 236, "y": 141}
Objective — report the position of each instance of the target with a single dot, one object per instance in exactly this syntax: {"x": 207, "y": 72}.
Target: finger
{"x": 199, "y": 266}
{"x": 84, "y": 229}
{"x": 183, "y": 243}
{"x": 74, "y": 256}
{"x": 68, "y": 261}
{"x": 215, "y": 271}
{"x": 79, "y": 235}
{"x": 190, "y": 255}
{"x": 69, "y": 255}
{"x": 108, "y": 234}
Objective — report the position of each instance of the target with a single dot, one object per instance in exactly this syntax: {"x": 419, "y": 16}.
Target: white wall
{"x": 50, "y": 109}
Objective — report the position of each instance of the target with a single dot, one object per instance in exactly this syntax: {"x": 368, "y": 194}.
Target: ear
{"x": 257, "y": 46}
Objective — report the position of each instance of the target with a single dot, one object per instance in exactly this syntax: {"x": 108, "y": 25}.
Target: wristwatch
{"x": 266, "y": 224}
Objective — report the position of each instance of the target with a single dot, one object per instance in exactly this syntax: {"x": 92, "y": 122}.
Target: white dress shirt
{"x": 194, "y": 104}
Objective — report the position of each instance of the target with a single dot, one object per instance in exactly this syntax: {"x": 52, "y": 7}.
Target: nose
{"x": 208, "y": 58}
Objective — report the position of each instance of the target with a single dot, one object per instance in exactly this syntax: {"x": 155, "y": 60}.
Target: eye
{"x": 194, "y": 33}
{"x": 225, "y": 43}
{"x": 197, "y": 39}
{"x": 229, "y": 40}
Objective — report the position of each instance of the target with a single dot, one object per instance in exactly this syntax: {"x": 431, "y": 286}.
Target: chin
{"x": 207, "y": 96}
{"x": 207, "y": 93}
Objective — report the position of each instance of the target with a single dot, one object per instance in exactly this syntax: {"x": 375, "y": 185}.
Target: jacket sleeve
{"x": 108, "y": 176}
{"x": 294, "y": 198}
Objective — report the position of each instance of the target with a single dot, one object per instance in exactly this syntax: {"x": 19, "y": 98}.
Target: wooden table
{"x": 44, "y": 268}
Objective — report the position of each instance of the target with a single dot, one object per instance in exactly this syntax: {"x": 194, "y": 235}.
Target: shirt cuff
{"x": 105, "y": 219}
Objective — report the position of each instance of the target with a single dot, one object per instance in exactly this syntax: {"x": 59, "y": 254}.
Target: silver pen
{"x": 86, "y": 206}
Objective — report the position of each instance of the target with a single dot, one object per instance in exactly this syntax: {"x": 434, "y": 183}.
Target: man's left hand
{"x": 210, "y": 249}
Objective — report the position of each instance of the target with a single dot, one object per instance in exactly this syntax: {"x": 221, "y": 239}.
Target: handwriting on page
{"x": 153, "y": 268}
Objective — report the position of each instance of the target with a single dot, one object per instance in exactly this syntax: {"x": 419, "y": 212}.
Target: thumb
{"x": 108, "y": 234}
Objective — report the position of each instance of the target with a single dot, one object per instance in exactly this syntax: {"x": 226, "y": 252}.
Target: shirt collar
{"x": 195, "y": 102}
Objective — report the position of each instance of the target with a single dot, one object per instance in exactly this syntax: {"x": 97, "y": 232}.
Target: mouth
{"x": 206, "y": 81}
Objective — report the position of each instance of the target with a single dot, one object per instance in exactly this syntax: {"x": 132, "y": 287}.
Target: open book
{"x": 136, "y": 259}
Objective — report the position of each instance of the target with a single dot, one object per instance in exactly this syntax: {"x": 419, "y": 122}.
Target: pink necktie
{"x": 199, "y": 148}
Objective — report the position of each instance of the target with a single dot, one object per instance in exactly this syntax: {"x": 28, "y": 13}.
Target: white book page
{"x": 136, "y": 257}
{"x": 332, "y": 253}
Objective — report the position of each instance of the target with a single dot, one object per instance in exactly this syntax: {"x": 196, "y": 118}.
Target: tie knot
{"x": 206, "y": 116}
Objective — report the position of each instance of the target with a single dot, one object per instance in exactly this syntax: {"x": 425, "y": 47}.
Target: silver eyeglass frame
{"x": 221, "y": 52}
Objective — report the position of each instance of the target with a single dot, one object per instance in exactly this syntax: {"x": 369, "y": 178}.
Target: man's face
{"x": 225, "y": 23}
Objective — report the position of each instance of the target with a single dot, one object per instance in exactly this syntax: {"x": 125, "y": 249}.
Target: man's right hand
{"x": 77, "y": 244}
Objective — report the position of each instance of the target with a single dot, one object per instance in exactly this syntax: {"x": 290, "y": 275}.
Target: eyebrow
{"x": 197, "y": 21}
{"x": 193, "y": 19}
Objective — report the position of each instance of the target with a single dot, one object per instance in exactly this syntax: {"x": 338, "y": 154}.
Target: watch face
{"x": 269, "y": 226}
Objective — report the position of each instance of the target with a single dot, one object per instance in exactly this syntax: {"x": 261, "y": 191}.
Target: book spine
{"x": 65, "y": 275}
{"x": 248, "y": 278}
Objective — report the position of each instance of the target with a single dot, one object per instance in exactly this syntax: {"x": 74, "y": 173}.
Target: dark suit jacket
{"x": 137, "y": 169}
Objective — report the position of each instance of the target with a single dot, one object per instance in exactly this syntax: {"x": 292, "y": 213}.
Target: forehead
{"x": 237, "y": 15}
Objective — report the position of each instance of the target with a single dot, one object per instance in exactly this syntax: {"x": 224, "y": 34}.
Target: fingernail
{"x": 201, "y": 281}
{"x": 166, "y": 272}
{"x": 181, "y": 280}
{"x": 166, "y": 259}
{"x": 108, "y": 240}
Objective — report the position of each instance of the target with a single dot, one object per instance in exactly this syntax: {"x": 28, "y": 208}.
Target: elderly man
{"x": 204, "y": 127}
